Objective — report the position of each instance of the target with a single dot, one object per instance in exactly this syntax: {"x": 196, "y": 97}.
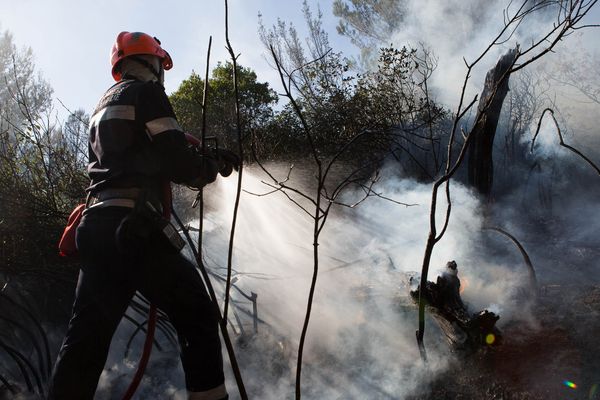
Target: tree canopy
{"x": 256, "y": 101}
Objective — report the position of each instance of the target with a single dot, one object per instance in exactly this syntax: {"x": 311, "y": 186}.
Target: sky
{"x": 71, "y": 40}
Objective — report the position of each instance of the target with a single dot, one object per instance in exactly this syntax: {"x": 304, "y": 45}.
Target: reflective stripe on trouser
{"x": 218, "y": 393}
{"x": 107, "y": 281}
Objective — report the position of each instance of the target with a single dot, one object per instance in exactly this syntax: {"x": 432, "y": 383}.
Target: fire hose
{"x": 147, "y": 350}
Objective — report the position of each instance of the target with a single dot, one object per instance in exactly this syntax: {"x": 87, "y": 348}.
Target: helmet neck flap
{"x": 145, "y": 68}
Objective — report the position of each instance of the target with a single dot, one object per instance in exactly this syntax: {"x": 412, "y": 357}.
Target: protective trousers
{"x": 107, "y": 281}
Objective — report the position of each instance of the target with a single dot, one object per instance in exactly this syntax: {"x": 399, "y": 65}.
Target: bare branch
{"x": 560, "y": 137}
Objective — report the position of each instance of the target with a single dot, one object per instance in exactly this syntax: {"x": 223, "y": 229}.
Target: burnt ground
{"x": 534, "y": 362}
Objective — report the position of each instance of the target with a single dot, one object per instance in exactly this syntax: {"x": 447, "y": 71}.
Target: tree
{"x": 18, "y": 79}
{"x": 256, "y": 99}
{"x": 526, "y": 98}
{"x": 41, "y": 166}
{"x": 577, "y": 68}
{"x": 368, "y": 23}
{"x": 393, "y": 103}
{"x": 343, "y": 122}
{"x": 481, "y": 165}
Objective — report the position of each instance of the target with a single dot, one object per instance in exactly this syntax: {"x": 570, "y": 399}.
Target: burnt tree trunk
{"x": 480, "y": 162}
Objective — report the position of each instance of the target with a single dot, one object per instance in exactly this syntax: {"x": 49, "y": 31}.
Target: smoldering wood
{"x": 480, "y": 161}
{"x": 463, "y": 330}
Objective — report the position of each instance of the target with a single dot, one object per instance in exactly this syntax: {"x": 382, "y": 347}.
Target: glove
{"x": 210, "y": 169}
{"x": 227, "y": 161}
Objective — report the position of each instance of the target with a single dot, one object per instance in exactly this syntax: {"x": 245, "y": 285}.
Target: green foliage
{"x": 187, "y": 103}
{"x": 255, "y": 98}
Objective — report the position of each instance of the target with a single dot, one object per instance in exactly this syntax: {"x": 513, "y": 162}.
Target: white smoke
{"x": 361, "y": 336}
{"x": 459, "y": 31}
{"x": 560, "y": 187}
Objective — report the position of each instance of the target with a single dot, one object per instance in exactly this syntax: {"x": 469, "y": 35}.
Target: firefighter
{"x": 135, "y": 146}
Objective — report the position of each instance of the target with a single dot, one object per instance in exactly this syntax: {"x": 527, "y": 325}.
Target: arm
{"x": 179, "y": 162}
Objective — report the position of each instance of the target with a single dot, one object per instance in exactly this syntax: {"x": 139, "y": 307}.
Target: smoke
{"x": 546, "y": 197}
{"x": 458, "y": 32}
{"x": 547, "y": 143}
{"x": 566, "y": 79}
{"x": 361, "y": 335}
{"x": 361, "y": 341}
{"x": 574, "y": 90}
{"x": 453, "y": 30}
{"x": 163, "y": 377}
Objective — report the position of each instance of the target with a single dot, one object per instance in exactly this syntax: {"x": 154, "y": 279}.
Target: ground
{"x": 536, "y": 362}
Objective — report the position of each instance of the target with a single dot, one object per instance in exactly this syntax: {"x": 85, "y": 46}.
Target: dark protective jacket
{"x": 135, "y": 141}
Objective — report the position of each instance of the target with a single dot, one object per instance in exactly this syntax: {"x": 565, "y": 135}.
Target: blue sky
{"x": 71, "y": 40}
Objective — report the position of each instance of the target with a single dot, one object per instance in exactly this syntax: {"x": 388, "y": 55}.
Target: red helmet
{"x": 130, "y": 43}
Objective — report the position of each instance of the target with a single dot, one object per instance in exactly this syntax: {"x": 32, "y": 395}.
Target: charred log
{"x": 480, "y": 163}
{"x": 463, "y": 330}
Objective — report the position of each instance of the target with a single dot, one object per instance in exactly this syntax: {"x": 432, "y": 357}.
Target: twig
{"x": 38, "y": 326}
{"x": 7, "y": 384}
{"x": 215, "y": 302}
{"x": 21, "y": 328}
